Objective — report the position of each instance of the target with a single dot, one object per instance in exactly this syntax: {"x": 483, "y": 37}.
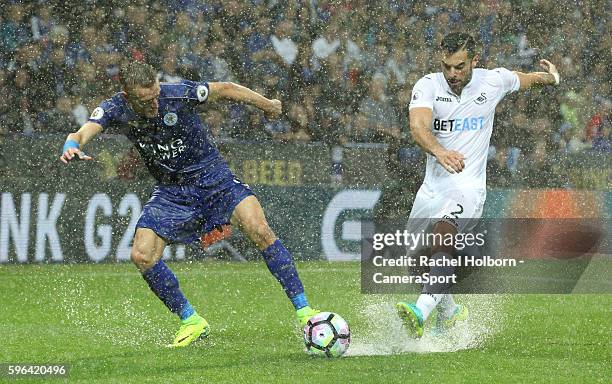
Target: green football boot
{"x": 412, "y": 318}
{"x": 192, "y": 328}
{"x": 303, "y": 314}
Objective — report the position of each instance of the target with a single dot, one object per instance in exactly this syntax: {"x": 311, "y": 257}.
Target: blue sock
{"x": 281, "y": 265}
{"x": 165, "y": 285}
{"x": 299, "y": 301}
{"x": 186, "y": 311}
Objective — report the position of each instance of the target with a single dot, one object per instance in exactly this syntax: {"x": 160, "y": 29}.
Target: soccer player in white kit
{"x": 451, "y": 119}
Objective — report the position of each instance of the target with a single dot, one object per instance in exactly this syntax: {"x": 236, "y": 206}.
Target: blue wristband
{"x": 70, "y": 144}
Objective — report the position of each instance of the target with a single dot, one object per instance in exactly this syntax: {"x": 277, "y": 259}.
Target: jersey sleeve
{"x": 509, "y": 80}
{"x": 423, "y": 93}
{"x": 104, "y": 114}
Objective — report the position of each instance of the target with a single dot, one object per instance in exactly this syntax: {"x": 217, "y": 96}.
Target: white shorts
{"x": 461, "y": 208}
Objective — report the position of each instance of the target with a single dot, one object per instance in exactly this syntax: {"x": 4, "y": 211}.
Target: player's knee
{"x": 141, "y": 258}
{"x": 261, "y": 233}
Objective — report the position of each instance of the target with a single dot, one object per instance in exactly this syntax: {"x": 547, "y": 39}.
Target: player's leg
{"x": 169, "y": 215}
{"x": 449, "y": 312}
{"x": 448, "y": 212}
{"x": 418, "y": 222}
{"x": 432, "y": 293}
{"x": 249, "y": 217}
{"x": 415, "y": 315}
{"x": 146, "y": 254}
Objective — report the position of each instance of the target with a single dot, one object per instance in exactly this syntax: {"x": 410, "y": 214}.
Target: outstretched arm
{"x": 238, "y": 93}
{"x": 420, "y": 127}
{"x": 550, "y": 77}
{"x": 75, "y": 141}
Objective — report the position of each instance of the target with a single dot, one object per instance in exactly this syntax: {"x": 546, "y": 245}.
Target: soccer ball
{"x": 327, "y": 334}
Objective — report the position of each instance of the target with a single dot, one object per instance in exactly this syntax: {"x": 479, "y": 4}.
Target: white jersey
{"x": 462, "y": 123}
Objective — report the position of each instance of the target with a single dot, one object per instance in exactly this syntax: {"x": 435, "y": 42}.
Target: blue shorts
{"x": 183, "y": 213}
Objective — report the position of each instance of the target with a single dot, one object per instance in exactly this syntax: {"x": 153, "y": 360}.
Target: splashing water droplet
{"x": 386, "y": 335}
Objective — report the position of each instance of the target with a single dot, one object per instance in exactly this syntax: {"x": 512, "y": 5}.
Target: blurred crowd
{"x": 344, "y": 69}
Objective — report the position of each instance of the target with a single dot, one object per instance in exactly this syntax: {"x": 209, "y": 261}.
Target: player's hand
{"x": 550, "y": 68}
{"x": 452, "y": 161}
{"x": 274, "y": 109}
{"x": 73, "y": 154}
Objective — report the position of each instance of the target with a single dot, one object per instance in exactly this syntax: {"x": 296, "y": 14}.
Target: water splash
{"x": 83, "y": 310}
{"x": 384, "y": 333}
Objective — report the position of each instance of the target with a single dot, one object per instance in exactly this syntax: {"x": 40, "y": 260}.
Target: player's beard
{"x": 151, "y": 113}
{"x": 458, "y": 87}
{"x": 148, "y": 113}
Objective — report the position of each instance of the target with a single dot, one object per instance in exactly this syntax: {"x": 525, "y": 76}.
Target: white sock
{"x": 446, "y": 306}
{"x": 427, "y": 302}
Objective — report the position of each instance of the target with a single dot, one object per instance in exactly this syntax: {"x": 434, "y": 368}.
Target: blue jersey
{"x": 175, "y": 146}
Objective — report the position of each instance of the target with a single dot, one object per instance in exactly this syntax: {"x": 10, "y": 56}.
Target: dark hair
{"x": 137, "y": 73}
{"x": 457, "y": 41}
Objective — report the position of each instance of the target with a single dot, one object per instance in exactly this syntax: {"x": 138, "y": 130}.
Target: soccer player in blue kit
{"x": 196, "y": 191}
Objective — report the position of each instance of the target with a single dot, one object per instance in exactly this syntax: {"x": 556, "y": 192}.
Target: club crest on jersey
{"x": 170, "y": 119}
{"x": 481, "y": 99}
{"x": 97, "y": 114}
